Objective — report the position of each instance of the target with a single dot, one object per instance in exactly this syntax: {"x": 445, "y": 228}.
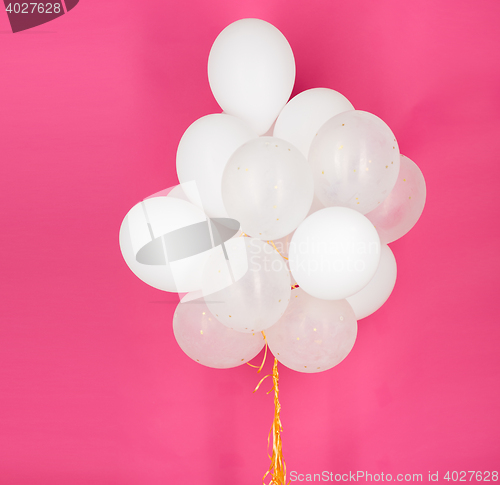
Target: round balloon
{"x": 313, "y": 335}
{"x": 203, "y": 338}
{"x": 400, "y": 211}
{"x": 355, "y": 161}
{"x": 251, "y": 70}
{"x": 203, "y": 152}
{"x": 306, "y": 113}
{"x": 246, "y": 284}
{"x": 334, "y": 253}
{"x": 267, "y": 186}
{"x": 378, "y": 290}
{"x": 146, "y": 224}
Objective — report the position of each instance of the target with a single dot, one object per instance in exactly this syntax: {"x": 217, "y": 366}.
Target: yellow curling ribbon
{"x": 263, "y": 360}
{"x": 277, "y": 250}
{"x": 277, "y": 469}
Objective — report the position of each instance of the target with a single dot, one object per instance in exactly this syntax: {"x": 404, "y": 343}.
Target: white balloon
{"x": 313, "y": 335}
{"x": 203, "y": 152}
{"x": 153, "y": 218}
{"x": 306, "y": 113}
{"x": 378, "y": 290}
{"x": 334, "y": 253}
{"x": 267, "y": 186}
{"x": 248, "y": 290}
{"x": 203, "y": 338}
{"x": 355, "y": 161}
{"x": 251, "y": 70}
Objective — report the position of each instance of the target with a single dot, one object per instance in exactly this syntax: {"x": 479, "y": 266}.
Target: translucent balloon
{"x": 355, "y": 161}
{"x": 313, "y": 335}
{"x": 400, "y": 211}
{"x": 334, "y": 253}
{"x": 203, "y": 152}
{"x": 251, "y": 70}
{"x": 246, "y": 284}
{"x": 378, "y": 290}
{"x": 268, "y": 187}
{"x": 149, "y": 220}
{"x": 306, "y": 113}
{"x": 210, "y": 343}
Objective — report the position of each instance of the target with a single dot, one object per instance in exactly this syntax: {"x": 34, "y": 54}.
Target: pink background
{"x": 93, "y": 387}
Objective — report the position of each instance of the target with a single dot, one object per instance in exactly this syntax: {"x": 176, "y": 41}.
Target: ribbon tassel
{"x": 277, "y": 469}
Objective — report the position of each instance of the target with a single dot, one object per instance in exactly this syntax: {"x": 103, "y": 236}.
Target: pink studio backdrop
{"x": 93, "y": 387}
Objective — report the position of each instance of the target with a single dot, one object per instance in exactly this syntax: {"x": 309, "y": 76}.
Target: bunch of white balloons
{"x": 319, "y": 190}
